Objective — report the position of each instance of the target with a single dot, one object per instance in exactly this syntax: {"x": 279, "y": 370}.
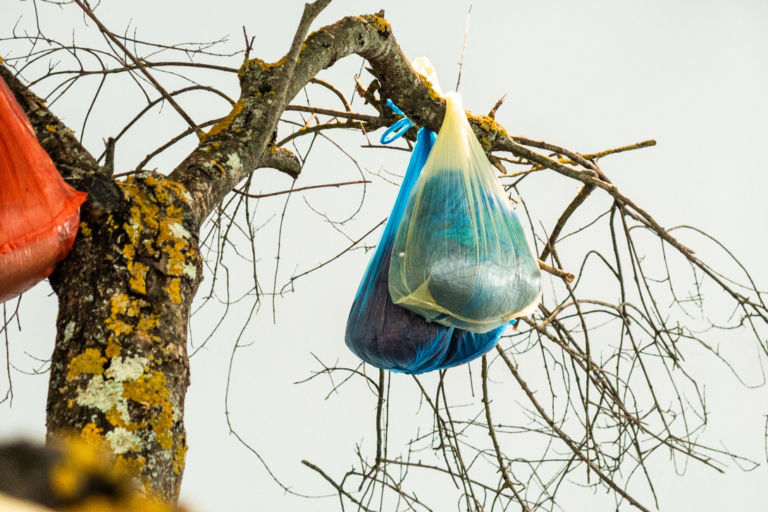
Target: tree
{"x": 120, "y": 369}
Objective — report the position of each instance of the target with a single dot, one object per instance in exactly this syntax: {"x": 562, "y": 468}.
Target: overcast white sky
{"x": 587, "y": 75}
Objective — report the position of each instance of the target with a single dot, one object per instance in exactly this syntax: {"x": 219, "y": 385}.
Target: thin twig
{"x": 566, "y": 276}
{"x": 492, "y": 113}
{"x": 492, "y": 433}
{"x": 309, "y": 187}
{"x": 83, "y": 4}
{"x": 562, "y": 435}
{"x": 336, "y": 486}
{"x": 463, "y": 47}
{"x": 572, "y": 206}
{"x": 346, "y": 114}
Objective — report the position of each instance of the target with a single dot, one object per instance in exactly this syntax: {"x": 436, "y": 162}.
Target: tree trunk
{"x": 120, "y": 371}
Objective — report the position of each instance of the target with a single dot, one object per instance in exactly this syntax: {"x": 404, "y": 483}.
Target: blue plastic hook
{"x": 397, "y": 130}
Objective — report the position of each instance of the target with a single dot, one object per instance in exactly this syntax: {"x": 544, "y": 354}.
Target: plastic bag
{"x": 389, "y": 336}
{"x": 379, "y": 332}
{"x": 460, "y": 256}
{"x": 39, "y": 212}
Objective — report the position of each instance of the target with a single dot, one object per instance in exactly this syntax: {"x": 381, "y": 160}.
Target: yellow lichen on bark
{"x": 155, "y": 227}
{"x": 218, "y": 166}
{"x": 178, "y": 255}
{"x": 151, "y": 390}
{"x": 487, "y": 123}
{"x": 162, "y": 195}
{"x": 224, "y": 123}
{"x": 162, "y": 186}
{"x": 113, "y": 349}
{"x": 261, "y": 64}
{"x": 174, "y": 290}
{"x": 168, "y": 229}
{"x": 91, "y": 434}
{"x": 433, "y": 94}
{"x": 379, "y": 22}
{"x": 130, "y": 467}
{"x": 115, "y": 418}
{"x": 171, "y": 237}
{"x": 143, "y": 214}
{"x": 110, "y": 222}
{"x": 85, "y": 230}
{"x": 128, "y": 315}
{"x": 489, "y": 126}
{"x": 90, "y": 362}
{"x": 147, "y": 322}
{"x": 170, "y": 224}
{"x": 138, "y": 277}
{"x": 179, "y": 455}
{"x": 121, "y": 305}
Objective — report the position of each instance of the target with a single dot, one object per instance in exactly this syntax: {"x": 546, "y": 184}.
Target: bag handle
{"x": 398, "y": 129}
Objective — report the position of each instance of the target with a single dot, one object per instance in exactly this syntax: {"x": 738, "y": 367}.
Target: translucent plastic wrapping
{"x": 460, "y": 256}
{"x": 389, "y": 336}
{"x": 39, "y": 212}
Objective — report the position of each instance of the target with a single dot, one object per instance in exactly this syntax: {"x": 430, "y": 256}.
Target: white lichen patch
{"x": 177, "y": 230}
{"x": 176, "y": 409}
{"x": 126, "y": 369}
{"x": 234, "y": 164}
{"x": 185, "y": 195}
{"x": 190, "y": 271}
{"x": 121, "y": 440}
{"x": 104, "y": 395}
{"x": 69, "y": 330}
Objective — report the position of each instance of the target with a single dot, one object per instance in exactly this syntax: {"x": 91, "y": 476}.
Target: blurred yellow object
{"x": 72, "y": 475}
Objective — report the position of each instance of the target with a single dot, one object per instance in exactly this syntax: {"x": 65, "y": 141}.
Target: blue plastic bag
{"x": 460, "y": 256}
{"x": 379, "y": 332}
{"x": 389, "y": 336}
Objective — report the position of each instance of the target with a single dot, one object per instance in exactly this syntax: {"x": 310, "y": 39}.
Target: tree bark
{"x": 120, "y": 371}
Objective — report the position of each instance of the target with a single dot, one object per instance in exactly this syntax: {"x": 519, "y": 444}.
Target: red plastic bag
{"x": 39, "y": 212}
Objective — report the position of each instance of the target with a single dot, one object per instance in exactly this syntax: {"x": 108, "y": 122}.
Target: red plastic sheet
{"x": 39, "y": 212}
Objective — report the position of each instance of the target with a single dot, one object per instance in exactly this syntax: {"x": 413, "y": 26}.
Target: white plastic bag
{"x": 460, "y": 256}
